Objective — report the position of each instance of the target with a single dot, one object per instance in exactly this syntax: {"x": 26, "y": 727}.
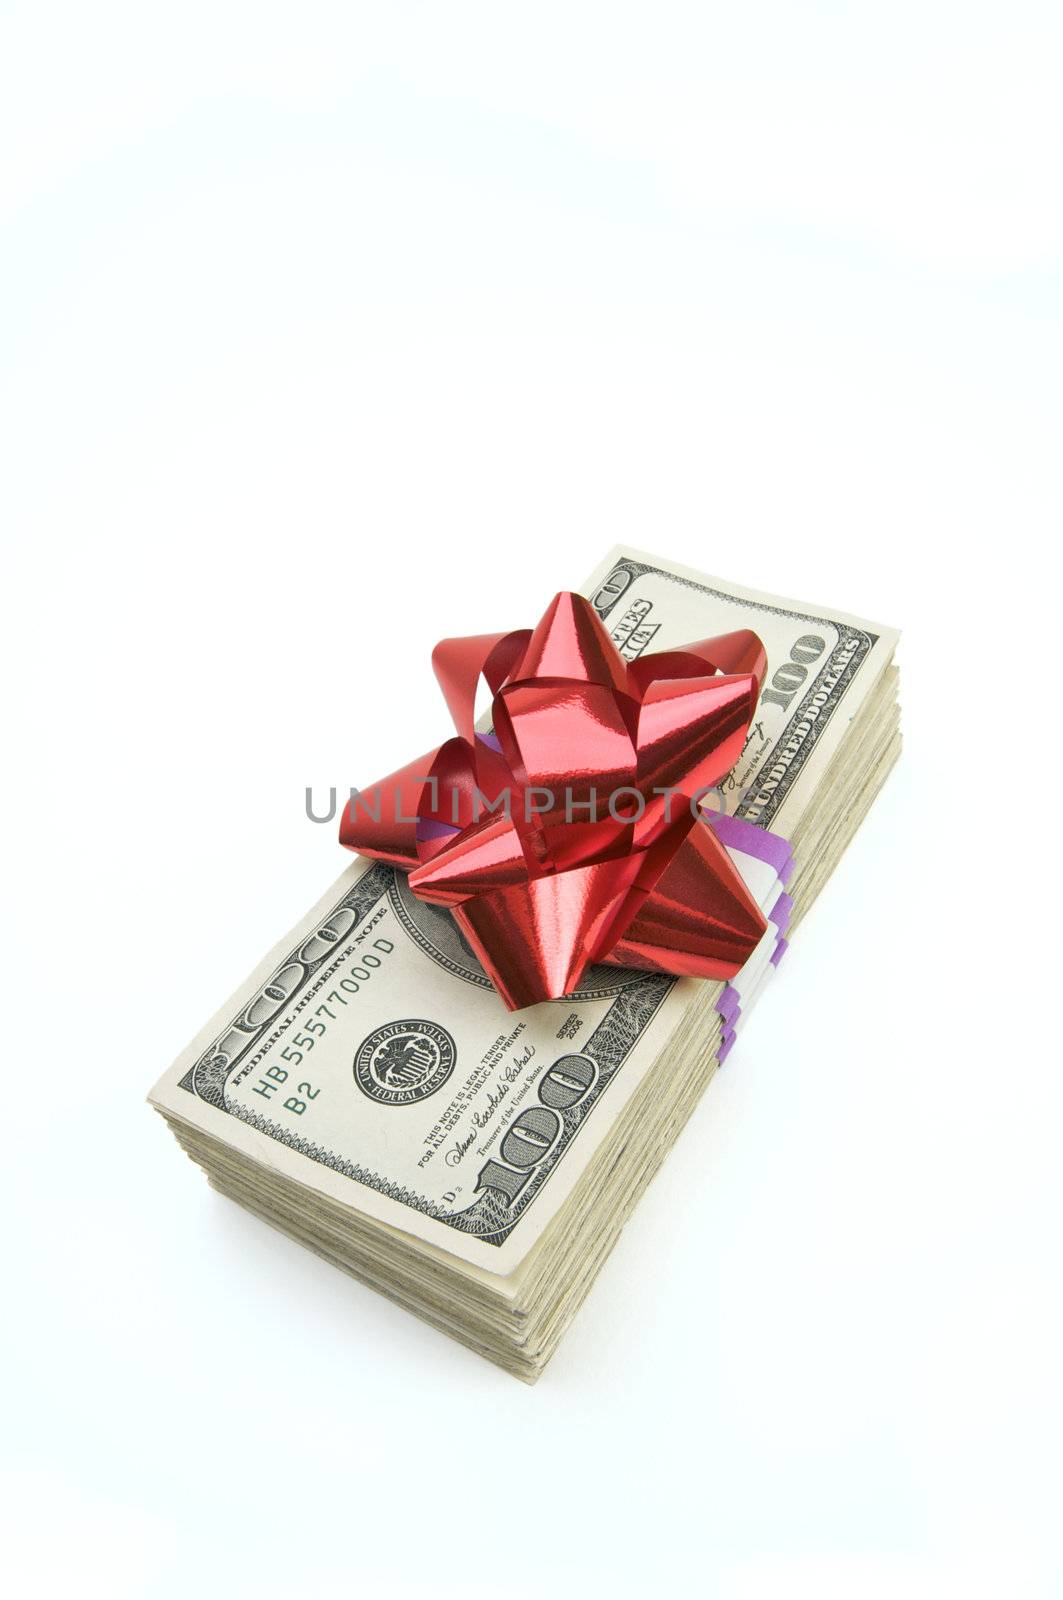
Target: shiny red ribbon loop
{"x": 572, "y": 835}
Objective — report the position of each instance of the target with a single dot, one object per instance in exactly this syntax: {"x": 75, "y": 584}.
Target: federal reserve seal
{"x": 404, "y": 1061}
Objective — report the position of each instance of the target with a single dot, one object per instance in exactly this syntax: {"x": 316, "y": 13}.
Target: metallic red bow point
{"x": 571, "y": 834}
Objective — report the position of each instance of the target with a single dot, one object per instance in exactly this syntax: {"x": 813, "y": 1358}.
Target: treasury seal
{"x": 404, "y": 1061}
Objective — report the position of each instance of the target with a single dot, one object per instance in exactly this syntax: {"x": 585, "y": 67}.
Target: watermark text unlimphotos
{"x": 623, "y": 804}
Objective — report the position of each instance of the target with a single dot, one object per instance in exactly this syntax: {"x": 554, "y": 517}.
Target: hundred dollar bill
{"x": 368, "y": 1057}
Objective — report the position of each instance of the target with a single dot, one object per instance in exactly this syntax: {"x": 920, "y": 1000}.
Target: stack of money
{"x": 367, "y": 1092}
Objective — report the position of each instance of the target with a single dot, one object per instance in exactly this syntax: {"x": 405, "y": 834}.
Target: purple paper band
{"x": 428, "y": 828}
{"x": 781, "y": 912}
{"x": 729, "y": 1004}
{"x": 753, "y": 841}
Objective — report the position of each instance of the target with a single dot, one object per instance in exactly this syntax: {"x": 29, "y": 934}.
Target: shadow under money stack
{"x": 368, "y": 1092}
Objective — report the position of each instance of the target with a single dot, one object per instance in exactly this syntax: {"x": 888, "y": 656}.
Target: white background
{"x": 328, "y": 329}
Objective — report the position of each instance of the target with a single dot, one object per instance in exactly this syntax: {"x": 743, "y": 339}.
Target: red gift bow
{"x": 588, "y": 861}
